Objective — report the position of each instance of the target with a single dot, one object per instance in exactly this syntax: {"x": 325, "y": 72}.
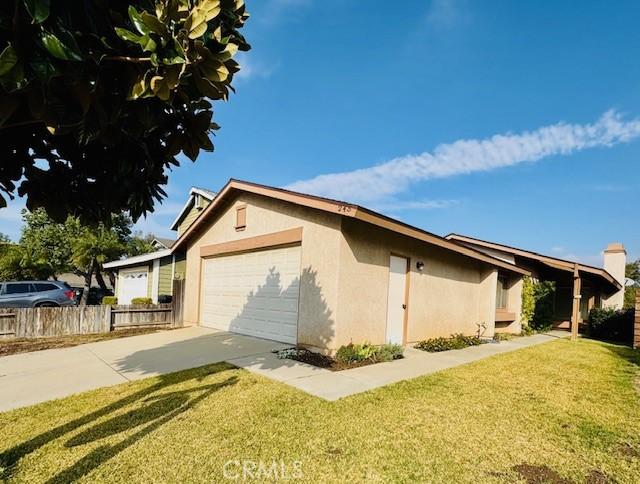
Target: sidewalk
{"x": 331, "y": 385}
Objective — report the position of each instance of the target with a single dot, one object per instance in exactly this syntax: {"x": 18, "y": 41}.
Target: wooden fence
{"x": 45, "y": 322}
{"x": 636, "y": 326}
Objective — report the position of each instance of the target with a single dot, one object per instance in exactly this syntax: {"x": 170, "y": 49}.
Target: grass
{"x": 558, "y": 412}
{"x": 25, "y": 345}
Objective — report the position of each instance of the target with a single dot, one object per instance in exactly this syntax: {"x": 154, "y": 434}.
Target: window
{"x": 41, "y": 286}
{"x": 17, "y": 288}
{"x": 502, "y": 293}
{"x": 241, "y": 217}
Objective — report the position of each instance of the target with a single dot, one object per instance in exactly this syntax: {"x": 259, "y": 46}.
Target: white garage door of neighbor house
{"x": 133, "y": 284}
{"x": 254, "y": 293}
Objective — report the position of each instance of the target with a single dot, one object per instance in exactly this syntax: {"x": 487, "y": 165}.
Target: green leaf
{"x": 229, "y": 51}
{"x": 8, "y": 59}
{"x": 160, "y": 87}
{"x": 58, "y": 49}
{"x": 38, "y": 10}
{"x": 147, "y": 43}
{"x": 125, "y": 34}
{"x": 138, "y": 88}
{"x": 138, "y": 23}
{"x": 153, "y": 24}
{"x": 214, "y": 71}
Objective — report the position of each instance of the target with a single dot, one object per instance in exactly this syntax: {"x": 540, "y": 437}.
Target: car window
{"x": 17, "y": 288}
{"x": 43, "y": 286}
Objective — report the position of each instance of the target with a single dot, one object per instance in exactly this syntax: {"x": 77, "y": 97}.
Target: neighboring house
{"x": 151, "y": 275}
{"x": 307, "y": 270}
{"x": 593, "y": 286}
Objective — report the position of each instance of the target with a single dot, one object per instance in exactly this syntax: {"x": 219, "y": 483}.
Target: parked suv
{"x": 31, "y": 294}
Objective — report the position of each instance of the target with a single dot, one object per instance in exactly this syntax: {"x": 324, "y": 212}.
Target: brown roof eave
{"x": 346, "y": 210}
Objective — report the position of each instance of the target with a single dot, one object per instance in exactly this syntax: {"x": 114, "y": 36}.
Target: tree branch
{"x": 123, "y": 58}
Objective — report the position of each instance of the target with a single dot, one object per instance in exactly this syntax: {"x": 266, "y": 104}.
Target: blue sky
{"x": 385, "y": 96}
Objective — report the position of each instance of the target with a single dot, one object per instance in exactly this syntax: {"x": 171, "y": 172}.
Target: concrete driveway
{"x": 30, "y": 378}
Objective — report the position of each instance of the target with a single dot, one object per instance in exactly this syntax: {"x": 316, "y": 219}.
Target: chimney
{"x": 615, "y": 261}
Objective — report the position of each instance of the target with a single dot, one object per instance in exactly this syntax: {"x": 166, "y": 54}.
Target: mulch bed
{"x": 327, "y": 362}
{"x": 15, "y": 346}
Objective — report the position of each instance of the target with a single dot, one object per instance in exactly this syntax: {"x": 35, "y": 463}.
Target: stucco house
{"x": 151, "y": 275}
{"x": 306, "y": 270}
{"x": 579, "y": 287}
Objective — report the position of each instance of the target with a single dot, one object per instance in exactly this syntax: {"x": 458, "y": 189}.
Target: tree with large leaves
{"x": 97, "y": 98}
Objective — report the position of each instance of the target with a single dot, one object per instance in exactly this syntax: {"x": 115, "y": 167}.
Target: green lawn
{"x": 559, "y": 412}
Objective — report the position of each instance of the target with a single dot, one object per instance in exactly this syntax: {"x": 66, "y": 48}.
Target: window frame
{"x": 502, "y": 293}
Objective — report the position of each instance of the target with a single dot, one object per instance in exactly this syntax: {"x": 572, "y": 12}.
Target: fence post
{"x": 636, "y": 326}
{"x": 177, "y": 302}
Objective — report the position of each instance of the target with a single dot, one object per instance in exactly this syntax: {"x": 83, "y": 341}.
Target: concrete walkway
{"x": 332, "y": 386}
{"x": 30, "y": 378}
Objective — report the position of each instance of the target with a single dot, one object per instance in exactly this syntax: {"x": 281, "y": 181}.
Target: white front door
{"x": 254, "y": 293}
{"x": 133, "y": 284}
{"x": 396, "y": 302}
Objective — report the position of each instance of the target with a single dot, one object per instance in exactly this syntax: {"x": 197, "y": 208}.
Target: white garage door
{"x": 255, "y": 293}
{"x": 132, "y": 284}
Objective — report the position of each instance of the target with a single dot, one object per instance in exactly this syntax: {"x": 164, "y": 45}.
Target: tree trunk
{"x": 87, "y": 283}
{"x": 112, "y": 279}
{"x": 100, "y": 280}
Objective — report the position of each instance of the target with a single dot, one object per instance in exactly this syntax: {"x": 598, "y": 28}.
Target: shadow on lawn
{"x": 154, "y": 412}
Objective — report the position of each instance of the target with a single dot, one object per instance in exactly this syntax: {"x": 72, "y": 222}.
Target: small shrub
{"x": 527, "y": 331}
{"x": 611, "y": 324}
{"x": 367, "y": 352}
{"x": 388, "y": 352}
{"x": 454, "y": 342}
{"x": 141, "y": 300}
{"x": 109, "y": 301}
{"x": 503, "y": 336}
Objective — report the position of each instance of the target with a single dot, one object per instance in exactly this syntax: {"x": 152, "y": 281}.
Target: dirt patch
{"x": 629, "y": 451}
{"x": 597, "y": 477}
{"x": 540, "y": 475}
{"x": 15, "y": 346}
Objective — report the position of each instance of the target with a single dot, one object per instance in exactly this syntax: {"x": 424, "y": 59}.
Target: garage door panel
{"x": 253, "y": 293}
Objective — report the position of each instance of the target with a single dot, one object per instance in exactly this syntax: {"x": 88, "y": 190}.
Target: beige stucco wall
{"x": 452, "y": 294}
{"x": 319, "y": 259}
{"x": 345, "y": 273}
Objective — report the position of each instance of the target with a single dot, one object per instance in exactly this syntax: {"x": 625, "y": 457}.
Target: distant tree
{"x": 140, "y": 244}
{"x": 92, "y": 247}
{"x": 97, "y": 98}
{"x": 632, "y": 271}
{"x": 45, "y": 244}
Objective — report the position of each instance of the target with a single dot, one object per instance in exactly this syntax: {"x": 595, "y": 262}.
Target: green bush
{"x": 353, "y": 353}
{"x": 388, "y": 352}
{"x": 142, "y": 300}
{"x": 454, "y": 342}
{"x": 544, "y": 295}
{"x": 611, "y": 324}
{"x": 109, "y": 301}
{"x": 629, "y": 297}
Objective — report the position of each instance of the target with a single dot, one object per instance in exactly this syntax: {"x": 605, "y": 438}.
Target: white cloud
{"x": 250, "y": 68}
{"x": 385, "y": 180}
{"x": 394, "y": 205}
